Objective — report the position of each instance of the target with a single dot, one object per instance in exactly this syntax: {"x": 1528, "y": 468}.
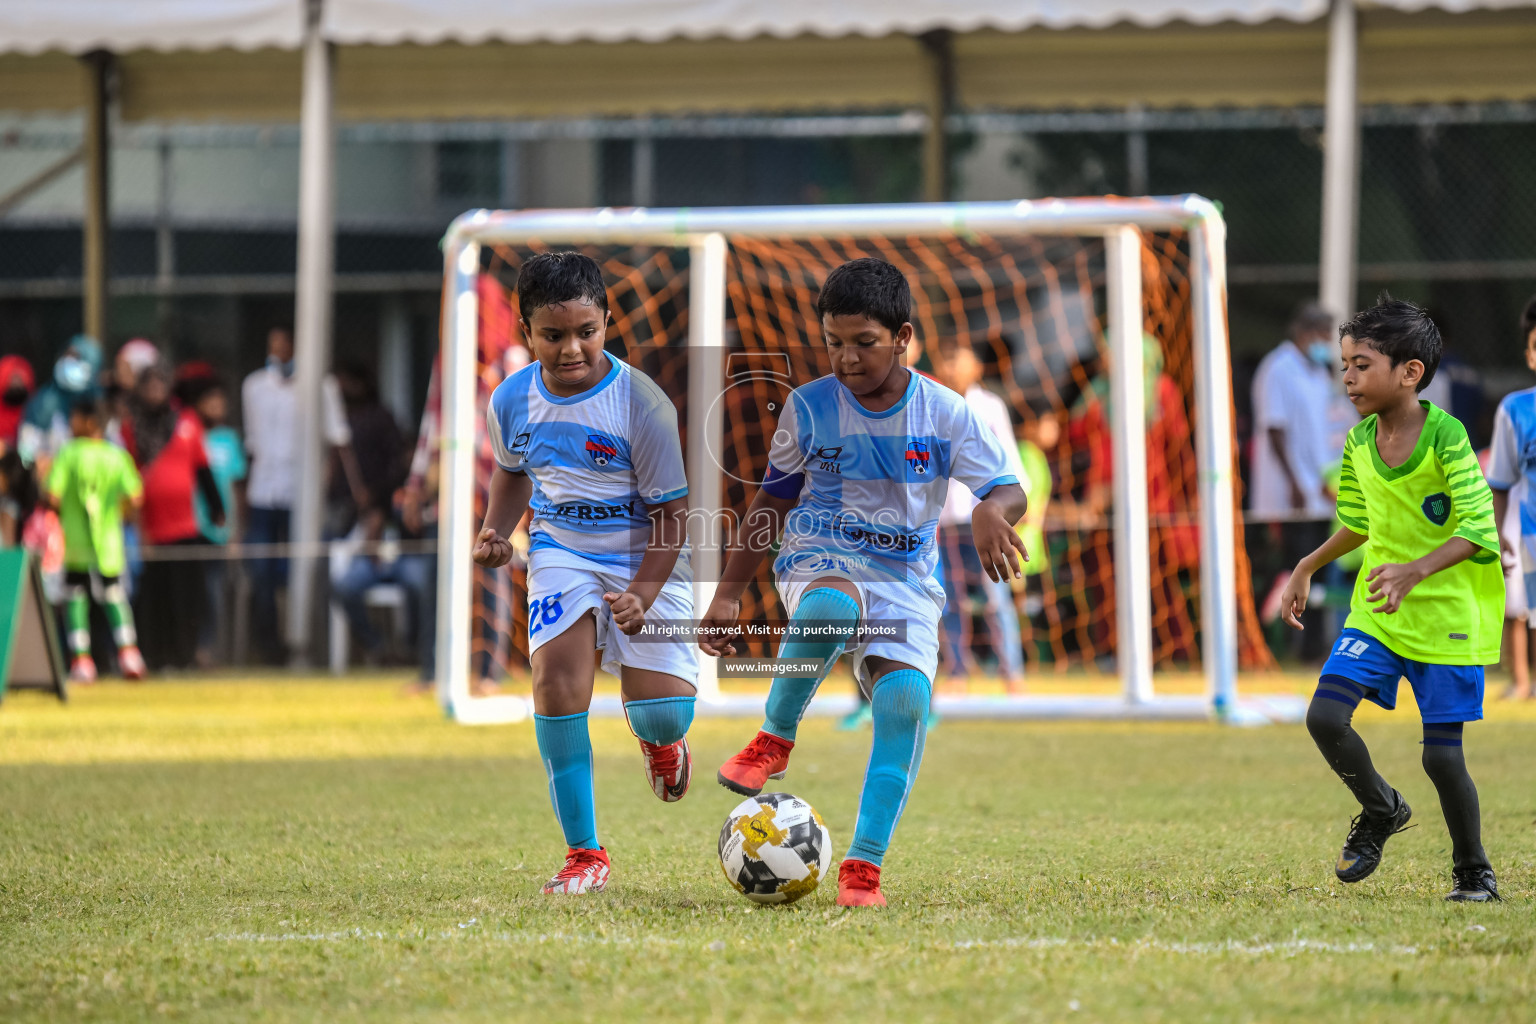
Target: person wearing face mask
{"x": 44, "y": 425}
{"x": 16, "y": 385}
{"x": 1295, "y": 437}
{"x": 269, "y": 404}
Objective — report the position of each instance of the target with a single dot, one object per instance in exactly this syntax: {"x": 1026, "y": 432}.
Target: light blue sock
{"x": 900, "y": 707}
{"x": 661, "y": 721}
{"x": 837, "y": 615}
{"x": 566, "y": 750}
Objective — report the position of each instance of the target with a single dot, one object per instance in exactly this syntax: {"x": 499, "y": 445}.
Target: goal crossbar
{"x": 704, "y": 231}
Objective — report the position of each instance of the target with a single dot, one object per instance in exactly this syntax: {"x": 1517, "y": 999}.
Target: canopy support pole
{"x": 312, "y": 323}
{"x": 98, "y": 211}
{"x": 1341, "y": 164}
{"x": 939, "y": 46}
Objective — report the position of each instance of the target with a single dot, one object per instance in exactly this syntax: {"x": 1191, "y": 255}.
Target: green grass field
{"x": 300, "y": 850}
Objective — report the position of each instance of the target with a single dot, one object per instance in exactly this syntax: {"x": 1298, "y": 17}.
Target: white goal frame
{"x": 704, "y": 231}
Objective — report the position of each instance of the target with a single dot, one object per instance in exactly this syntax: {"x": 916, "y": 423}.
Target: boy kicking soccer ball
{"x": 590, "y": 445}
{"x": 1429, "y": 599}
{"x": 857, "y": 472}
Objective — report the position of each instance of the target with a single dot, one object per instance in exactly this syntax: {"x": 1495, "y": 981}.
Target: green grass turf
{"x": 294, "y": 850}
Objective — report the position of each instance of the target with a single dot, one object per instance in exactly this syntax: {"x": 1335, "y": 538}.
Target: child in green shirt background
{"x": 93, "y": 484}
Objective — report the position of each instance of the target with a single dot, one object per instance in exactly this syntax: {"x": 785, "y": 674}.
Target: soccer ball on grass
{"x": 774, "y": 848}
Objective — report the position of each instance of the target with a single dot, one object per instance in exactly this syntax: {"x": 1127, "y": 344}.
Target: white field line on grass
{"x": 1290, "y": 947}
{"x": 1230, "y": 947}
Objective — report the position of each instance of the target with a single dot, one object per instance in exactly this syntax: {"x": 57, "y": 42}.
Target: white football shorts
{"x": 563, "y": 588}
{"x": 884, "y": 604}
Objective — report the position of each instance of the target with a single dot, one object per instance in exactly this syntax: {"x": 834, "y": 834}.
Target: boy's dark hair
{"x": 89, "y": 406}
{"x": 868, "y": 287}
{"x": 1400, "y": 331}
{"x": 1311, "y": 318}
{"x": 1528, "y": 321}
{"x": 554, "y": 277}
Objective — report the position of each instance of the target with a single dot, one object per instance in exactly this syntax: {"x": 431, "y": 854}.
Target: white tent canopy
{"x": 78, "y": 26}
{"x": 477, "y": 21}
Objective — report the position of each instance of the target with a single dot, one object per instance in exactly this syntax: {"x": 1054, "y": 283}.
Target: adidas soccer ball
{"x": 774, "y": 848}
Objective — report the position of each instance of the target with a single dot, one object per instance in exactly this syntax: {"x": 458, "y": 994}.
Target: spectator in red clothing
{"x": 16, "y": 386}
{"x": 1174, "y": 538}
{"x": 167, "y": 444}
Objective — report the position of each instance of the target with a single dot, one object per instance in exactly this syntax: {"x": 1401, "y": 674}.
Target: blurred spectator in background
{"x": 1042, "y": 433}
{"x": 1173, "y": 537}
{"x": 270, "y": 407}
{"x": 367, "y": 511}
{"x": 1295, "y": 427}
{"x": 167, "y": 444}
{"x": 44, "y": 426}
{"x": 201, "y": 390}
{"x": 365, "y": 473}
{"x": 16, "y": 385}
{"x": 418, "y": 522}
{"x": 136, "y": 356}
{"x": 93, "y": 485}
{"x": 18, "y": 497}
{"x": 960, "y": 367}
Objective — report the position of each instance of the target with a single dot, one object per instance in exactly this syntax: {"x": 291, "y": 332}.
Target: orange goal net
{"x": 1031, "y": 306}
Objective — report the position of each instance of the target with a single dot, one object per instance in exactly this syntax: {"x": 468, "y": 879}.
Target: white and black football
{"x": 774, "y": 848}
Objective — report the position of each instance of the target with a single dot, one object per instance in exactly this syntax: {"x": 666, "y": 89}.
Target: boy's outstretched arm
{"x": 508, "y": 501}
{"x": 759, "y": 529}
{"x": 669, "y": 535}
{"x": 1002, "y": 550}
{"x": 1293, "y": 599}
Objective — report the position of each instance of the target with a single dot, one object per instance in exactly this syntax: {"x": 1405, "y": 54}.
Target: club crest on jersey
{"x": 1437, "y": 508}
{"x": 917, "y": 457}
{"x": 601, "y": 450}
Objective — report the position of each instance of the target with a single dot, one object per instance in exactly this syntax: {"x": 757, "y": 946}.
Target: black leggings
{"x": 1329, "y": 721}
{"x": 168, "y": 609}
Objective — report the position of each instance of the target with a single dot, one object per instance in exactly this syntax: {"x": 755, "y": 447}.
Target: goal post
{"x": 708, "y": 235}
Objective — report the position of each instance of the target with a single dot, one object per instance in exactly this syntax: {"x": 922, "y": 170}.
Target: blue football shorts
{"x": 1445, "y": 693}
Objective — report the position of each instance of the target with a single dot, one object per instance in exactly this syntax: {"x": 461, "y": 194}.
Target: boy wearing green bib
{"x": 1428, "y": 602}
{"x": 91, "y": 483}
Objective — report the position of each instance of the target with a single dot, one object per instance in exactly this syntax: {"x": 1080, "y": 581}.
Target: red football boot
{"x": 584, "y": 871}
{"x": 766, "y": 757}
{"x": 668, "y": 768}
{"x": 82, "y": 669}
{"x": 858, "y": 884}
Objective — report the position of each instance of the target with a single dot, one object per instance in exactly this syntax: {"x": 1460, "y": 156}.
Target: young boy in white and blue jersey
{"x": 1511, "y": 459}
{"x": 858, "y": 470}
{"x": 590, "y": 446}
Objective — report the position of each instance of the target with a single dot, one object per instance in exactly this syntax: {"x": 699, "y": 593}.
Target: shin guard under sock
{"x": 824, "y": 622}
{"x": 900, "y": 713}
{"x": 1328, "y": 720}
{"x": 1446, "y": 765}
{"x": 566, "y": 750}
{"x": 661, "y": 721}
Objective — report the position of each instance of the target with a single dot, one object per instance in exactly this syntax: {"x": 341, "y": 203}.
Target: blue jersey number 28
{"x": 544, "y": 611}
